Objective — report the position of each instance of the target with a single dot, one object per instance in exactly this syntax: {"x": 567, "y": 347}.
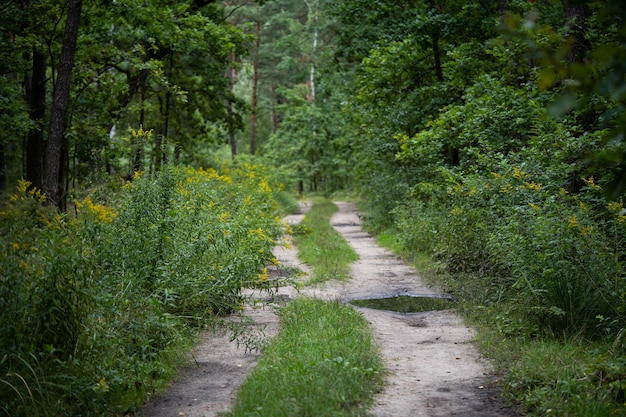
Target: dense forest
{"x": 141, "y": 138}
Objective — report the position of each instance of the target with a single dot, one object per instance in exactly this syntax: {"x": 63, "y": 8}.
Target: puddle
{"x": 407, "y": 303}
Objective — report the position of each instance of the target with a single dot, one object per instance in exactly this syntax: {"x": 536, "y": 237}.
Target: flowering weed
{"x": 97, "y": 306}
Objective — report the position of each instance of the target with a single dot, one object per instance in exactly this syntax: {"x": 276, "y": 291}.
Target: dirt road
{"x": 434, "y": 369}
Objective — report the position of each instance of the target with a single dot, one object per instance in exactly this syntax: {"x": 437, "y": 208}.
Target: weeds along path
{"x": 208, "y": 384}
{"x": 434, "y": 369}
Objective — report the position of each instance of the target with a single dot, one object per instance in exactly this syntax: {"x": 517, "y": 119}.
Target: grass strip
{"x": 322, "y": 247}
{"x": 323, "y": 363}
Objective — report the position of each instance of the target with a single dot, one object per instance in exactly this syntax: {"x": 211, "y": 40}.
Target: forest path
{"x": 434, "y": 369}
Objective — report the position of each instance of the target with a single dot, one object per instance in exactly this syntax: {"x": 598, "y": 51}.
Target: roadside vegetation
{"x": 321, "y": 246}
{"x": 485, "y": 139}
{"x": 566, "y": 360}
{"x": 323, "y": 362}
{"x": 100, "y": 304}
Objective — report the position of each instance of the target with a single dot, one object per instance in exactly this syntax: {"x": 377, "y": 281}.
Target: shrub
{"x": 98, "y": 306}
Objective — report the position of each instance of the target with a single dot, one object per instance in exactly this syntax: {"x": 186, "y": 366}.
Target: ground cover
{"x": 323, "y": 362}
{"x": 321, "y": 247}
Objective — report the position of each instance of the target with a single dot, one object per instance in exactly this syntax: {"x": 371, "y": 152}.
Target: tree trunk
{"x": 435, "y": 44}
{"x": 503, "y": 7}
{"x": 275, "y": 116}
{"x": 576, "y": 15}
{"x": 57, "y": 147}
{"x": 232, "y": 77}
{"x": 255, "y": 82}
{"x": 3, "y": 175}
{"x": 138, "y": 143}
{"x": 161, "y": 153}
{"x": 312, "y": 70}
{"x": 437, "y": 55}
{"x": 36, "y": 98}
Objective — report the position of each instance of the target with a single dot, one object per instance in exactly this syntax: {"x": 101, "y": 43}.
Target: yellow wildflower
{"x": 590, "y": 183}
{"x": 101, "y": 386}
{"x": 518, "y": 173}
{"x": 140, "y": 133}
{"x": 532, "y": 186}
{"x": 573, "y": 222}
{"x": 616, "y": 206}
{"x": 102, "y": 214}
{"x": 37, "y": 195}
{"x": 22, "y": 185}
{"x": 265, "y": 187}
{"x": 586, "y": 230}
{"x": 257, "y": 232}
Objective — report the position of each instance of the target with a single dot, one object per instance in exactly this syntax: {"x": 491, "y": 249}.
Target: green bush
{"x": 98, "y": 306}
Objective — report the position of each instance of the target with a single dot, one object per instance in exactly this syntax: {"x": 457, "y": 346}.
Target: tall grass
{"x": 540, "y": 271}
{"x": 98, "y": 306}
{"x": 321, "y": 246}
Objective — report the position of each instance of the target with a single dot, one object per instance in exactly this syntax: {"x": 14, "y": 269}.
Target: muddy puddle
{"x": 406, "y": 303}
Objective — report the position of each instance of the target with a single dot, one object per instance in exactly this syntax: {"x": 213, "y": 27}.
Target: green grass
{"x": 323, "y": 363}
{"x": 542, "y": 372}
{"x": 321, "y": 246}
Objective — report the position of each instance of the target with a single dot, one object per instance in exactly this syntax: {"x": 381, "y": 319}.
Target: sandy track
{"x": 434, "y": 369}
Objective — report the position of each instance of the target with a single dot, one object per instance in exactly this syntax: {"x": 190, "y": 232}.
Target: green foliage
{"x": 522, "y": 212}
{"x": 99, "y": 306}
{"x": 323, "y": 362}
{"x": 159, "y": 64}
{"x": 321, "y": 246}
{"x": 553, "y": 378}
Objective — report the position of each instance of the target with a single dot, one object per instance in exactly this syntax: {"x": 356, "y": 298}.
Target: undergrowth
{"x": 543, "y": 371}
{"x": 98, "y": 306}
{"x": 323, "y": 362}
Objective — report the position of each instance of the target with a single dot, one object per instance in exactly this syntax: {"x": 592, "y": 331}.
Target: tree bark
{"x": 232, "y": 79}
{"x": 275, "y": 116}
{"x": 255, "y": 82}
{"x": 435, "y": 43}
{"x": 3, "y": 175}
{"x": 437, "y": 55}
{"x": 576, "y": 15}
{"x": 36, "y": 98}
{"x": 57, "y": 148}
{"x": 503, "y": 7}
